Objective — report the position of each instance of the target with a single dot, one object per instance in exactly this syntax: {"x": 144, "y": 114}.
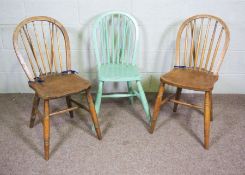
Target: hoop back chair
{"x": 202, "y": 42}
{"x": 43, "y": 50}
{"x": 115, "y": 39}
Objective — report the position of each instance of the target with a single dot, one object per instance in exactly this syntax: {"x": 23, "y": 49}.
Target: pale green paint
{"x": 115, "y": 39}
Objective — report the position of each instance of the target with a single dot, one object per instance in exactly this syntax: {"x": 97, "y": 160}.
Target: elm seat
{"x": 59, "y": 85}
{"x": 118, "y": 72}
{"x": 190, "y": 79}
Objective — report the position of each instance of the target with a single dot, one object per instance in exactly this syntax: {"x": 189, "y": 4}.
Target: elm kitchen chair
{"x": 199, "y": 55}
{"x": 43, "y": 50}
{"x": 115, "y": 39}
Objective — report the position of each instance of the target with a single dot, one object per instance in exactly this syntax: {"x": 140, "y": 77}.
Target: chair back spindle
{"x": 42, "y": 46}
{"x": 202, "y": 42}
{"x": 115, "y": 38}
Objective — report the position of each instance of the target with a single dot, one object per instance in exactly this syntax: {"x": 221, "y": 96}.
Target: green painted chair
{"x": 115, "y": 39}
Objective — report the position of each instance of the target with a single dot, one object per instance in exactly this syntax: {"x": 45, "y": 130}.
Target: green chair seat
{"x": 118, "y": 72}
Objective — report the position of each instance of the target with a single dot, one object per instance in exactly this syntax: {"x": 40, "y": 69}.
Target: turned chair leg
{"x": 157, "y": 107}
{"x": 211, "y": 112}
{"x": 36, "y": 101}
{"x": 98, "y": 97}
{"x": 68, "y": 101}
{"x": 177, "y": 97}
{"x": 46, "y": 129}
{"x": 144, "y": 101}
{"x": 207, "y": 112}
{"x": 130, "y": 91}
{"x": 93, "y": 115}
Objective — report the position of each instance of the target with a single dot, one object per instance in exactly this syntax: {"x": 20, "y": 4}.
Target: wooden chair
{"x": 42, "y": 47}
{"x": 199, "y": 54}
{"x": 115, "y": 39}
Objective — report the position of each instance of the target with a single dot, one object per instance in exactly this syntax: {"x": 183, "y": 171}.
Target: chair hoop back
{"x": 202, "y": 42}
{"x": 115, "y": 38}
{"x": 42, "y": 46}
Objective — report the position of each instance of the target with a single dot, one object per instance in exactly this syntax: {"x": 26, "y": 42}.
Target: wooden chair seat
{"x": 190, "y": 79}
{"x": 59, "y": 85}
{"x": 118, "y": 72}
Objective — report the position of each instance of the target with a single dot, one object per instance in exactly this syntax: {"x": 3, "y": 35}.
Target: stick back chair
{"x": 43, "y": 50}
{"x": 202, "y": 42}
{"x": 115, "y": 39}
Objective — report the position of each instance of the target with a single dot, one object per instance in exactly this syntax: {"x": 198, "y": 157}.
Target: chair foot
{"x": 157, "y": 107}
{"x": 36, "y": 101}
{"x": 151, "y": 130}
{"x": 93, "y": 115}
{"x": 144, "y": 101}
{"x": 32, "y": 121}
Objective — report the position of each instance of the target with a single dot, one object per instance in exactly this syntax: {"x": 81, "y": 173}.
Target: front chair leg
{"x": 93, "y": 114}
{"x": 68, "y": 101}
{"x": 36, "y": 101}
{"x": 46, "y": 129}
{"x": 207, "y": 112}
{"x": 144, "y": 101}
{"x": 157, "y": 107}
{"x": 177, "y": 97}
{"x": 98, "y": 97}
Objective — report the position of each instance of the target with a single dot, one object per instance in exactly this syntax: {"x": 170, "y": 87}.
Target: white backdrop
{"x": 158, "y": 21}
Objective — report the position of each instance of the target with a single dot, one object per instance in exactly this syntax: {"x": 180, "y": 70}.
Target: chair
{"x": 115, "y": 39}
{"x": 199, "y": 55}
{"x": 43, "y": 50}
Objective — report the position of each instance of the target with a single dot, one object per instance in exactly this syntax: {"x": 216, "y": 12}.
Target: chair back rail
{"x": 202, "y": 42}
{"x": 42, "y": 46}
{"x": 115, "y": 38}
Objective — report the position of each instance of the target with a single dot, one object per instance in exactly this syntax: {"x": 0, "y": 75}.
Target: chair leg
{"x": 98, "y": 97}
{"x": 157, "y": 107}
{"x": 211, "y": 112}
{"x": 177, "y": 97}
{"x": 46, "y": 129}
{"x": 36, "y": 101}
{"x": 68, "y": 101}
{"x": 207, "y": 112}
{"x": 144, "y": 101}
{"x": 130, "y": 91}
{"x": 93, "y": 115}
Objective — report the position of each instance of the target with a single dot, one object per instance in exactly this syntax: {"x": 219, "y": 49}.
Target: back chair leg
{"x": 157, "y": 107}
{"x": 98, "y": 97}
{"x": 68, "y": 101}
{"x": 130, "y": 91}
{"x": 36, "y": 101}
{"x": 46, "y": 129}
{"x": 207, "y": 112}
{"x": 144, "y": 101}
{"x": 93, "y": 114}
{"x": 177, "y": 97}
{"x": 211, "y": 112}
